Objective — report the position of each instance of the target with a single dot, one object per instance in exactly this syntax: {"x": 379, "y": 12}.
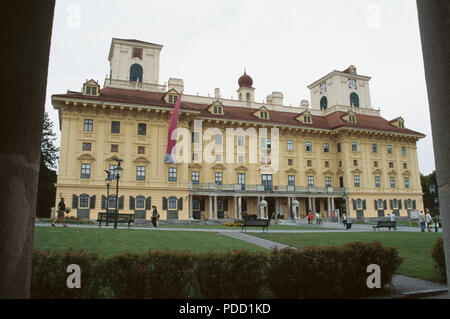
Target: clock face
{"x": 323, "y": 88}
{"x": 352, "y": 84}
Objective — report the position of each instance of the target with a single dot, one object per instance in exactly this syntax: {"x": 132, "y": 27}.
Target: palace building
{"x": 333, "y": 154}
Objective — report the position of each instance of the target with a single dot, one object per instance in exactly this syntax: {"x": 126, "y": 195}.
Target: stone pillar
{"x": 235, "y": 213}
{"x": 215, "y": 207}
{"x": 277, "y": 207}
{"x": 329, "y": 206}
{"x": 240, "y": 206}
{"x": 434, "y": 17}
{"x": 310, "y": 207}
{"x": 29, "y": 35}
{"x": 210, "y": 207}
{"x": 190, "y": 207}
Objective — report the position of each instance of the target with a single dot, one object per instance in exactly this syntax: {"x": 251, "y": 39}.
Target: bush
{"x": 236, "y": 274}
{"x": 438, "y": 254}
{"x": 328, "y": 272}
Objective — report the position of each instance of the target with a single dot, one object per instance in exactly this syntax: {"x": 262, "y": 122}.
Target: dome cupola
{"x": 245, "y": 81}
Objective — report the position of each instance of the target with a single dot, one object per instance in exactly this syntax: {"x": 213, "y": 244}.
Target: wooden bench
{"x": 385, "y": 224}
{"x": 264, "y": 223}
{"x": 115, "y": 218}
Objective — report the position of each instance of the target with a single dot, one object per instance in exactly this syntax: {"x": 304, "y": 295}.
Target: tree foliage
{"x": 49, "y": 151}
{"x": 428, "y": 197}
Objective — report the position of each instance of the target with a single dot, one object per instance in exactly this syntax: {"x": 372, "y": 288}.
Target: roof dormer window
{"x": 305, "y": 117}
{"x": 217, "y": 109}
{"x": 352, "y": 119}
{"x": 91, "y": 87}
{"x": 171, "y": 96}
{"x": 263, "y": 115}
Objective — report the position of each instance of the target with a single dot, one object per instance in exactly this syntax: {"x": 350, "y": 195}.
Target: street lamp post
{"x": 117, "y": 172}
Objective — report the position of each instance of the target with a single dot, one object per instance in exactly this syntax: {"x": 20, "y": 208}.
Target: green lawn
{"x": 221, "y": 227}
{"x": 413, "y": 247}
{"x": 111, "y": 241}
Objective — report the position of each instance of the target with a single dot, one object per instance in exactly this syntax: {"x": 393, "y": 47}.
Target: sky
{"x": 284, "y": 45}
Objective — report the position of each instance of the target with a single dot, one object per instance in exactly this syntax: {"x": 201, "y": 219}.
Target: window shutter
{"x": 202, "y": 204}
{"x": 121, "y": 200}
{"x": 225, "y": 204}
{"x": 354, "y": 204}
{"x": 103, "y": 202}
{"x": 148, "y": 203}
{"x": 164, "y": 203}
{"x": 180, "y": 203}
{"x": 390, "y": 204}
{"x": 400, "y": 204}
{"x": 74, "y": 201}
{"x": 384, "y": 204}
{"x": 364, "y": 204}
{"x": 375, "y": 204}
{"x": 131, "y": 203}
{"x": 414, "y": 204}
{"x": 92, "y": 202}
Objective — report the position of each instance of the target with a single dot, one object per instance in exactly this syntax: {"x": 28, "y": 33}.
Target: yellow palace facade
{"x": 332, "y": 154}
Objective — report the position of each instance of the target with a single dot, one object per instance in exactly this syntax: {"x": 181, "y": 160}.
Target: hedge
{"x": 328, "y": 272}
{"x": 437, "y": 252}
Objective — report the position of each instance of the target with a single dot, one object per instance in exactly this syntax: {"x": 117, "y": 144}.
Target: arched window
{"x": 354, "y": 99}
{"x": 380, "y": 204}
{"x": 136, "y": 73}
{"x": 172, "y": 202}
{"x": 84, "y": 200}
{"x": 323, "y": 103}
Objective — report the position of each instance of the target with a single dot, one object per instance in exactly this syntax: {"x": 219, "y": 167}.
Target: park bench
{"x": 264, "y": 223}
{"x": 113, "y": 218}
{"x": 385, "y": 224}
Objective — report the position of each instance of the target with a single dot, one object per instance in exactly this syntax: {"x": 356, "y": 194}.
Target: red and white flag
{"x": 171, "y": 151}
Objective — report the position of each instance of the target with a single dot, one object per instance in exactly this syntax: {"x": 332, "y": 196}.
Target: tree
{"x": 428, "y": 197}
{"x": 47, "y": 175}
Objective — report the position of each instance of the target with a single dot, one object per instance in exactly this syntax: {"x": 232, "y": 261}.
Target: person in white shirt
{"x": 429, "y": 220}
{"x": 422, "y": 221}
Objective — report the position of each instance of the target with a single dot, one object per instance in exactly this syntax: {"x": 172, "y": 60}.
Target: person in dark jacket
{"x": 61, "y": 212}
{"x": 155, "y": 216}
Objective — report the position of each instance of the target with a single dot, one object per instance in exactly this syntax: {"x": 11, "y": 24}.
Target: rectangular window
{"x": 290, "y": 145}
{"x": 241, "y": 140}
{"x": 219, "y": 178}
{"x": 87, "y": 147}
{"x": 354, "y": 146}
{"x": 88, "y": 89}
{"x": 308, "y": 146}
{"x": 327, "y": 164}
{"x": 374, "y": 148}
{"x": 340, "y": 164}
{"x": 405, "y": 166}
{"x": 339, "y": 147}
{"x": 218, "y": 139}
{"x": 290, "y": 162}
{"x": 137, "y": 53}
{"x": 85, "y": 171}
{"x": 377, "y": 181}
{"x": 141, "y": 149}
{"x": 140, "y": 173}
{"x": 142, "y": 129}
{"x": 407, "y": 182}
{"x": 172, "y": 174}
{"x": 310, "y": 180}
{"x": 195, "y": 156}
{"x": 392, "y": 182}
{"x": 391, "y": 164}
{"x": 355, "y": 162}
{"x": 195, "y": 177}
{"x": 291, "y": 180}
{"x": 326, "y": 147}
{"x": 195, "y": 137}
{"x": 356, "y": 180}
{"x": 389, "y": 149}
{"x": 328, "y": 181}
{"x": 375, "y": 164}
{"x": 94, "y": 90}
{"x": 114, "y": 148}
{"x": 309, "y": 163}
{"x": 172, "y": 203}
{"x": 88, "y": 125}
{"x": 240, "y": 159}
{"x": 403, "y": 150}
{"x": 241, "y": 178}
{"x": 111, "y": 169}
{"x": 115, "y": 127}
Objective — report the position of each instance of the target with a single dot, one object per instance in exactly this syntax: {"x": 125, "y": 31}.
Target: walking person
{"x": 428, "y": 220}
{"x": 392, "y": 219}
{"x": 422, "y": 221}
{"x": 155, "y": 216}
{"x": 310, "y": 218}
{"x": 317, "y": 218}
{"x": 61, "y": 212}
{"x": 344, "y": 220}
{"x": 293, "y": 217}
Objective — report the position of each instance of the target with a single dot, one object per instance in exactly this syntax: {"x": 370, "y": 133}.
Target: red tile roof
{"x": 330, "y": 122}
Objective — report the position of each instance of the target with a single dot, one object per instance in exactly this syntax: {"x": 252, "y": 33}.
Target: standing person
{"x": 61, "y": 212}
{"x": 422, "y": 221}
{"x": 428, "y": 219}
{"x": 293, "y": 217}
{"x": 344, "y": 219}
{"x": 155, "y": 216}
{"x": 392, "y": 219}
{"x": 317, "y": 218}
{"x": 310, "y": 218}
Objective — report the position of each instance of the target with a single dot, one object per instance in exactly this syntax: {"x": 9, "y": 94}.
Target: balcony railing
{"x": 238, "y": 188}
